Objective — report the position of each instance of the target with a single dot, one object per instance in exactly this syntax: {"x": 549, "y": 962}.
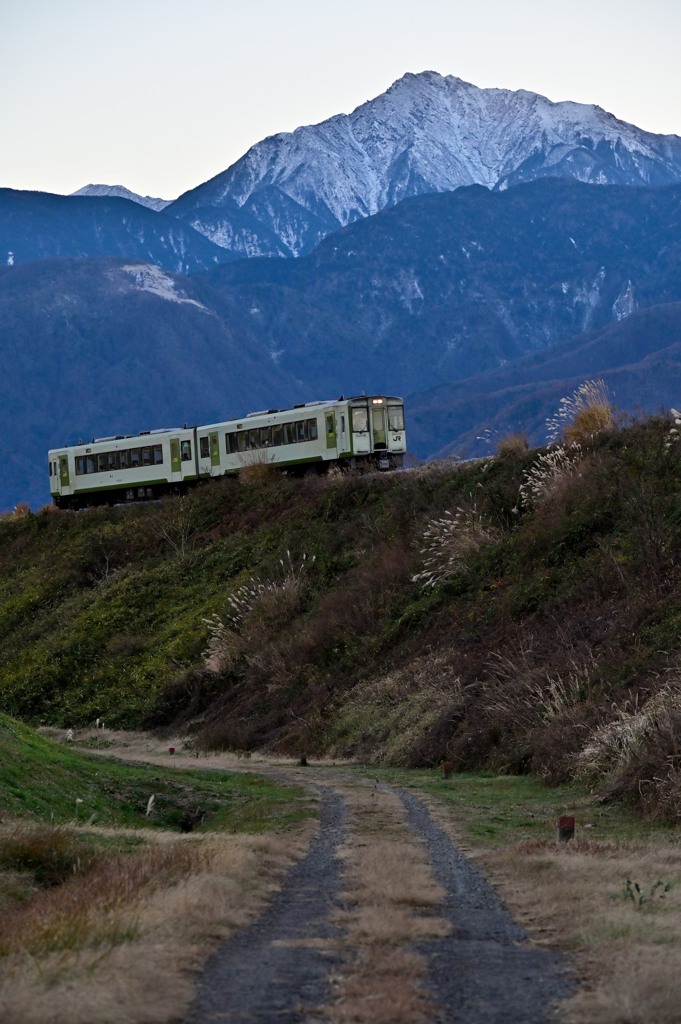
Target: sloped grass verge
{"x": 46, "y": 781}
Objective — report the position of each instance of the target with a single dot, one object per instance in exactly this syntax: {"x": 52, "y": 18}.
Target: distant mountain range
{"x": 39, "y": 225}
{"x": 427, "y": 133}
{"x": 454, "y": 245}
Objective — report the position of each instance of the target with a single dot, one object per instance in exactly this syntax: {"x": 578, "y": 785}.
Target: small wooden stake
{"x": 566, "y": 828}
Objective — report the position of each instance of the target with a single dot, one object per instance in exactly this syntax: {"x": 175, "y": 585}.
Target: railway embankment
{"x": 518, "y": 614}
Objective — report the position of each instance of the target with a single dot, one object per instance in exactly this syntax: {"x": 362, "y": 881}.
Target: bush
{"x": 583, "y": 414}
{"x": 50, "y": 854}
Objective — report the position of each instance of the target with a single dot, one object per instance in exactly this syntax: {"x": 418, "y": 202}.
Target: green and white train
{"x": 315, "y": 435}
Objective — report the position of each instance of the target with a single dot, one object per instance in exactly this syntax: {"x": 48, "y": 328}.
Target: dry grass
{"x": 582, "y": 415}
{"x": 119, "y": 943}
{"x": 512, "y": 445}
{"x": 449, "y": 540}
{"x": 394, "y": 713}
{"x": 572, "y": 896}
{"x": 391, "y": 896}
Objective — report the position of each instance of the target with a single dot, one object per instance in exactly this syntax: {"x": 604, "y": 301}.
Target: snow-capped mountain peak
{"x": 426, "y": 133}
{"x": 121, "y": 192}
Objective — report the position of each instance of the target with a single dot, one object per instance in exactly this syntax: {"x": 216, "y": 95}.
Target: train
{"x": 365, "y": 430}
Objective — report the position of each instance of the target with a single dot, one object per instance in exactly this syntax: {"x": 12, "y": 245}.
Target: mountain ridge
{"x": 426, "y": 133}
{"x": 106, "y": 191}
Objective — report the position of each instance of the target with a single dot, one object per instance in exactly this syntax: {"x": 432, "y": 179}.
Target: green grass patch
{"x": 504, "y": 810}
{"x": 48, "y": 781}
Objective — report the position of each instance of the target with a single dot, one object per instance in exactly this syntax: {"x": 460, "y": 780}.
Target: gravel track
{"x": 271, "y": 972}
{"x": 279, "y": 970}
{"x": 485, "y": 971}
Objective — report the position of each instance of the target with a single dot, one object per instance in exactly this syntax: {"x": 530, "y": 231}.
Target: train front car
{"x": 134, "y": 467}
{"x": 377, "y": 430}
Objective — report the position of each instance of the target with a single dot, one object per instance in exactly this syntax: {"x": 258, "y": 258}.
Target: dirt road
{"x": 383, "y": 921}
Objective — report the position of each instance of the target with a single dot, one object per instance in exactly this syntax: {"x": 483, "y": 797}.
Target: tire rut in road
{"x": 485, "y": 971}
{"x": 277, "y": 971}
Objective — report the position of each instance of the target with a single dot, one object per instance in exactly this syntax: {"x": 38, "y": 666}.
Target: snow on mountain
{"x": 122, "y": 192}
{"x": 152, "y": 279}
{"x": 427, "y": 133}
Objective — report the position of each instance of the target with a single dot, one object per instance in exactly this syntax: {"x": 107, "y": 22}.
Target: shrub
{"x": 583, "y": 414}
{"x": 449, "y": 540}
{"x": 512, "y": 445}
{"x": 48, "y": 853}
{"x": 637, "y": 750}
{"x": 546, "y": 474}
{"x": 273, "y": 602}
{"x": 674, "y": 433}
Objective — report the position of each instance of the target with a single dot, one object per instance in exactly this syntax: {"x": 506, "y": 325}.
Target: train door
{"x": 175, "y": 460}
{"x": 378, "y": 430}
{"x": 209, "y": 453}
{"x": 330, "y": 430}
{"x": 214, "y": 450}
{"x": 344, "y": 433}
{"x": 64, "y": 479}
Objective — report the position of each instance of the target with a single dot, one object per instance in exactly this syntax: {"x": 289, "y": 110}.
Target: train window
{"x": 395, "y": 417}
{"x": 146, "y": 456}
{"x": 101, "y": 462}
{"x": 301, "y": 434}
{"x": 360, "y": 420}
{"x": 289, "y": 433}
{"x": 204, "y": 448}
{"x": 135, "y": 457}
{"x": 253, "y": 438}
{"x": 242, "y": 440}
{"x": 80, "y": 466}
{"x": 112, "y": 460}
{"x": 330, "y": 424}
{"x": 186, "y": 449}
{"x": 276, "y": 434}
{"x": 158, "y": 455}
{"x": 231, "y": 443}
{"x": 265, "y": 437}
{"x": 125, "y": 459}
{"x": 89, "y": 463}
{"x": 312, "y": 430}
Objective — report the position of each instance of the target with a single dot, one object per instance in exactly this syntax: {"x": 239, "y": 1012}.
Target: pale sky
{"x": 160, "y": 95}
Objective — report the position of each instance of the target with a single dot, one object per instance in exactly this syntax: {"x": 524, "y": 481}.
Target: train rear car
{"x": 135, "y": 467}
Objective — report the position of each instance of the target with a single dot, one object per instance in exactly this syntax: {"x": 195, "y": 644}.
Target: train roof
{"x": 324, "y": 403}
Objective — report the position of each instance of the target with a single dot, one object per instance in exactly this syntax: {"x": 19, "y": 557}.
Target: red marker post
{"x": 566, "y": 828}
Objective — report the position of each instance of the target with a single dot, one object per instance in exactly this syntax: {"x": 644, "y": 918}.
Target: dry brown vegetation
{"x": 110, "y": 924}
{"x": 391, "y": 897}
{"x": 597, "y": 898}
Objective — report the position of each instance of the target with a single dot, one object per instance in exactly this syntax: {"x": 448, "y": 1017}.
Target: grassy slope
{"x": 563, "y": 622}
{"x": 45, "y": 781}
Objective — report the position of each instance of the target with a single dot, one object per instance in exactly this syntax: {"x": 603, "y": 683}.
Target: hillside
{"x": 548, "y": 645}
{"x": 639, "y": 358}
